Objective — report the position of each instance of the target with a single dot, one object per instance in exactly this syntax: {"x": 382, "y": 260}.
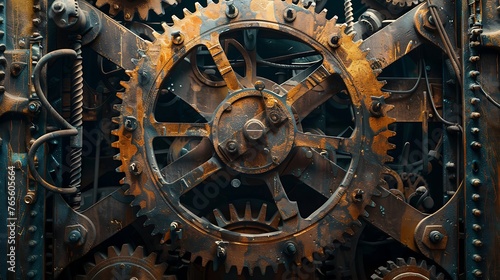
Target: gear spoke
{"x": 305, "y": 93}
{"x": 181, "y": 129}
{"x": 223, "y": 64}
{"x": 191, "y": 160}
{"x": 195, "y": 177}
{"x": 324, "y": 142}
{"x": 288, "y": 209}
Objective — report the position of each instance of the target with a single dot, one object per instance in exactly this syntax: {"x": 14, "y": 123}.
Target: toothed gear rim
{"x": 159, "y": 198}
{"x": 124, "y": 264}
{"x": 130, "y": 7}
{"x": 402, "y": 270}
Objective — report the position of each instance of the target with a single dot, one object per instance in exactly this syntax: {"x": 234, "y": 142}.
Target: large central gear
{"x": 245, "y": 133}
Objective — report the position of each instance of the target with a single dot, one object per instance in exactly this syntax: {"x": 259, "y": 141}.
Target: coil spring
{"x": 349, "y": 17}
{"x": 76, "y": 121}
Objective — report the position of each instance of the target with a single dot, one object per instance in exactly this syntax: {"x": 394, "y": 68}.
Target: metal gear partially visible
{"x": 251, "y": 131}
{"x": 129, "y": 7}
{"x": 402, "y": 3}
{"x": 125, "y": 264}
{"x": 410, "y": 270}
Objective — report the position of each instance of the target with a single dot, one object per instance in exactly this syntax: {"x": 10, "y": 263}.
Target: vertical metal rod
{"x": 77, "y": 122}
{"x": 96, "y": 168}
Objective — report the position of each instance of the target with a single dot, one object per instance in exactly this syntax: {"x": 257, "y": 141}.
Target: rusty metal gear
{"x": 407, "y": 270}
{"x": 251, "y": 130}
{"x": 403, "y": 3}
{"x": 126, "y": 263}
{"x": 129, "y": 7}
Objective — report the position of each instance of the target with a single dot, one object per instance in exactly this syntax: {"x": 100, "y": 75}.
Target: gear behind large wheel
{"x": 247, "y": 128}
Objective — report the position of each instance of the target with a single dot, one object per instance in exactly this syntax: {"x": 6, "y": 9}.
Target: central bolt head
{"x": 254, "y": 129}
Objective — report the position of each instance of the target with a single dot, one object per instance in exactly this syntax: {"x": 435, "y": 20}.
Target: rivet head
{"x": 477, "y": 258}
{"x": 476, "y": 212}
{"x": 477, "y": 273}
{"x": 475, "y": 115}
{"x": 290, "y": 248}
{"x": 476, "y": 197}
{"x": 477, "y": 242}
{"x": 475, "y": 145}
{"x": 476, "y": 227}
{"x": 474, "y": 130}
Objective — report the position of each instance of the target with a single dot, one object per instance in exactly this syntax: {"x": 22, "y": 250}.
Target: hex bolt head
{"x": 231, "y": 10}
{"x": 290, "y": 248}
{"x": 174, "y": 226}
{"x": 74, "y": 236}
{"x": 477, "y": 258}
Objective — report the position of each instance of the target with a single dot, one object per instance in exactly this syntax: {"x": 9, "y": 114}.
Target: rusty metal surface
{"x": 253, "y": 131}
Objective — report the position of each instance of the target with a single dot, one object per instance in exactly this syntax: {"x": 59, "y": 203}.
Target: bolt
{"x": 235, "y": 183}
{"x": 436, "y": 236}
{"x": 18, "y": 164}
{"x": 130, "y": 123}
{"x": 221, "y": 252}
{"x": 116, "y": 6}
{"x": 376, "y": 109}
{"x": 135, "y": 168}
{"x": 474, "y": 44}
{"x": 58, "y": 7}
{"x": 36, "y": 21}
{"x": 450, "y": 166}
{"x": 174, "y": 226}
{"x": 32, "y": 243}
{"x": 475, "y": 145}
{"x": 474, "y": 100}
{"x": 357, "y": 195}
{"x": 476, "y": 212}
{"x": 290, "y": 248}
{"x": 477, "y": 258}
{"x": 476, "y": 197}
{"x": 259, "y": 85}
{"x": 177, "y": 37}
{"x": 475, "y": 115}
{"x": 290, "y": 15}
{"x": 33, "y": 213}
{"x": 477, "y": 273}
{"x": 32, "y": 229}
{"x": 232, "y": 146}
{"x": 128, "y": 16}
{"x": 15, "y": 69}
{"x": 477, "y": 243}
{"x": 334, "y": 41}
{"x": 474, "y": 58}
{"x": 473, "y": 73}
{"x": 475, "y": 182}
{"x": 74, "y": 236}
{"x": 476, "y": 227}
{"x": 32, "y": 258}
{"x": 275, "y": 159}
{"x": 474, "y": 87}
{"x": 231, "y": 10}
{"x": 474, "y": 130}
{"x": 34, "y": 106}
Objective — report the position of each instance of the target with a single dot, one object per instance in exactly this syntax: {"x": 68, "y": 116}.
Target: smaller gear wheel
{"x": 249, "y": 222}
{"x": 130, "y": 6}
{"x": 403, "y": 3}
{"x": 125, "y": 264}
{"x": 410, "y": 270}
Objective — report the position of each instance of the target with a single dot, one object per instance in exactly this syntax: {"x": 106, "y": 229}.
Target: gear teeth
{"x": 233, "y": 214}
{"x": 175, "y": 19}
{"x": 122, "y": 182}
{"x": 412, "y": 261}
{"x": 372, "y": 204}
{"x": 126, "y": 250}
{"x": 197, "y": 6}
{"x": 349, "y": 231}
{"x": 262, "y": 212}
{"x": 376, "y": 72}
{"x": 186, "y": 12}
{"x": 383, "y": 271}
{"x": 366, "y": 214}
{"x": 139, "y": 252}
{"x": 119, "y": 94}
{"x": 113, "y": 252}
{"x": 219, "y": 218}
{"x": 432, "y": 270}
{"x": 248, "y": 212}
{"x": 423, "y": 264}
{"x": 204, "y": 261}
{"x": 391, "y": 265}
{"x": 376, "y": 192}
{"x": 262, "y": 268}
{"x": 117, "y": 157}
{"x": 357, "y": 223}
{"x": 400, "y": 262}
{"x": 151, "y": 258}
{"x": 250, "y": 271}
